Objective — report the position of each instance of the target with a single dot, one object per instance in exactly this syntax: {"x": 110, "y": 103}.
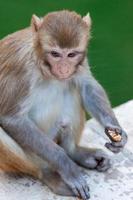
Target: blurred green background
{"x": 111, "y": 48}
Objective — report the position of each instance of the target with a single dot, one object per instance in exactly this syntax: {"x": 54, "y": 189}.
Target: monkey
{"x": 46, "y": 87}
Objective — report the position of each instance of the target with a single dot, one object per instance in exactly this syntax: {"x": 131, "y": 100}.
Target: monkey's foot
{"x": 93, "y": 159}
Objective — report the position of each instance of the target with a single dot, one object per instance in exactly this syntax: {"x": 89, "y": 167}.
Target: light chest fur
{"x": 54, "y": 101}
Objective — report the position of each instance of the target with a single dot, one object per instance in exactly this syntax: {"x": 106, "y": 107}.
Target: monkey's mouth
{"x": 63, "y": 76}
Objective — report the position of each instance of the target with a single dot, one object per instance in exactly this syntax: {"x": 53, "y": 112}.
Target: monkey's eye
{"x": 71, "y": 55}
{"x": 55, "y": 54}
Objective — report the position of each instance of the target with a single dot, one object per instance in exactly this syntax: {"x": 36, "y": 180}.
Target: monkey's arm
{"x": 96, "y": 102}
{"x": 30, "y": 137}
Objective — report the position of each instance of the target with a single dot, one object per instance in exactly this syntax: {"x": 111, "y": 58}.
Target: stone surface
{"x": 115, "y": 184}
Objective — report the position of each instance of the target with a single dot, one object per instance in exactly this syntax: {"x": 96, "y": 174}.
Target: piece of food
{"x": 113, "y": 134}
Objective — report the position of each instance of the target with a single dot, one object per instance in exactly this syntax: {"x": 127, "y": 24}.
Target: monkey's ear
{"x": 36, "y": 23}
{"x": 87, "y": 20}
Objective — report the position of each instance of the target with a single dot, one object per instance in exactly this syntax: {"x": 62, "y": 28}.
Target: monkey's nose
{"x": 64, "y": 70}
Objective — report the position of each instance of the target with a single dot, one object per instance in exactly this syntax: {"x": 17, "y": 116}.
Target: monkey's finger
{"x": 112, "y": 148}
{"x": 86, "y": 190}
{"x": 118, "y": 144}
{"x": 84, "y": 195}
{"x": 85, "y": 185}
{"x": 75, "y": 191}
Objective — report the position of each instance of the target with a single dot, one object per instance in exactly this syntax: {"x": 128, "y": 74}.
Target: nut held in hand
{"x": 113, "y": 134}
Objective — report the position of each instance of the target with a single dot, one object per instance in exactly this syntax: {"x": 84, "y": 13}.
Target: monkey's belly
{"x": 52, "y": 105}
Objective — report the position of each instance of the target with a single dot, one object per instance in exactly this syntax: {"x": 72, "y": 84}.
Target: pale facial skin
{"x": 64, "y": 62}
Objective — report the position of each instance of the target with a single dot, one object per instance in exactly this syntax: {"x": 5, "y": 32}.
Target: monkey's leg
{"x": 13, "y": 158}
{"x": 88, "y": 158}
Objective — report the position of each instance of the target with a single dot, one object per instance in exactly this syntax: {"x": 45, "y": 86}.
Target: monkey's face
{"x": 63, "y": 63}
{"x": 62, "y": 39}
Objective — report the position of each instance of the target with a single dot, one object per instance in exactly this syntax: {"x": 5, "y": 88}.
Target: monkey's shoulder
{"x": 16, "y": 46}
{"x": 18, "y": 35}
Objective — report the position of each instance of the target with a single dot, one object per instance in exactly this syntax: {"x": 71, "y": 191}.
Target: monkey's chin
{"x": 63, "y": 78}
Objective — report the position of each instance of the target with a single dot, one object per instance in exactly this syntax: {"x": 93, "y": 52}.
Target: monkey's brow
{"x": 78, "y": 52}
{"x": 74, "y": 51}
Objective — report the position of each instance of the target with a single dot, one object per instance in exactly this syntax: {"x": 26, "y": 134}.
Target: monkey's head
{"x": 61, "y": 40}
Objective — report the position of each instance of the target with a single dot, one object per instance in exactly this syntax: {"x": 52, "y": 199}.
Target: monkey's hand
{"x": 118, "y": 138}
{"x": 75, "y": 179}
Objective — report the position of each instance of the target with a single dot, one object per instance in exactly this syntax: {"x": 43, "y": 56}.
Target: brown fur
{"x": 15, "y": 54}
{"x": 14, "y": 159}
{"x": 65, "y": 27}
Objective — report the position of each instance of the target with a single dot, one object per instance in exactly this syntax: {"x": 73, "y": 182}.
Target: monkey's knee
{"x": 13, "y": 158}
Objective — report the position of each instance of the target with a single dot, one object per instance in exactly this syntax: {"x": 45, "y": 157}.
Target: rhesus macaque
{"x": 45, "y": 88}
